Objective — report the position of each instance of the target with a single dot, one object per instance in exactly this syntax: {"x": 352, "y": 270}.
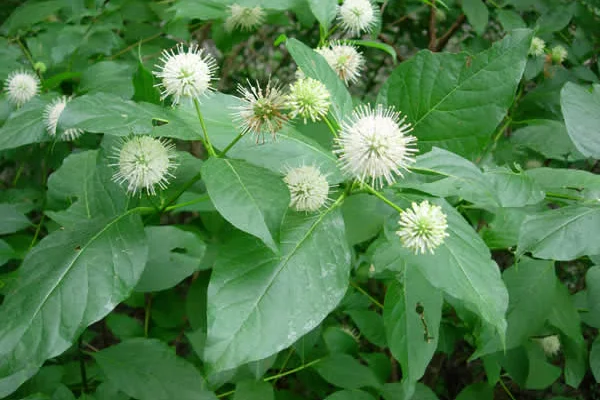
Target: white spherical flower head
{"x": 262, "y": 110}
{"x": 244, "y": 18}
{"x": 550, "y": 345}
{"x": 52, "y": 113}
{"x": 558, "y": 54}
{"x": 308, "y": 188}
{"x": 145, "y": 162}
{"x": 344, "y": 59}
{"x": 308, "y": 99}
{"x": 422, "y": 227}
{"x": 21, "y": 86}
{"x": 537, "y": 47}
{"x": 185, "y": 73}
{"x": 375, "y": 145}
{"x": 356, "y": 16}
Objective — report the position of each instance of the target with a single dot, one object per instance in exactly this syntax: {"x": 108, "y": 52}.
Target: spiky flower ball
{"x": 144, "y": 163}
{"x": 550, "y": 345}
{"x": 185, "y": 73}
{"x": 537, "y": 47}
{"x": 422, "y": 227}
{"x": 308, "y": 99}
{"x": 558, "y": 54}
{"x": 262, "y": 110}
{"x": 308, "y": 188}
{"x": 21, "y": 86}
{"x": 356, "y": 16}
{"x": 344, "y": 59}
{"x": 244, "y": 18}
{"x": 375, "y": 145}
{"x": 52, "y": 113}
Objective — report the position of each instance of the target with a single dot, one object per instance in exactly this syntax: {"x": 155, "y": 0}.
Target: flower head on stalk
{"x": 244, "y": 18}
{"x": 308, "y": 99}
{"x": 309, "y": 188}
{"x": 537, "y": 47}
{"x": 21, "y": 86}
{"x": 356, "y": 16}
{"x": 422, "y": 227}
{"x": 52, "y": 113}
{"x": 558, "y": 54}
{"x": 344, "y": 59}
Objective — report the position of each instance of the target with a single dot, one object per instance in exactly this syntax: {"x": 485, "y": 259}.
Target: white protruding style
{"x": 21, "y": 86}
{"x": 308, "y": 99}
{"x": 356, "y": 16}
{"x": 52, "y": 113}
{"x": 185, "y": 73}
{"x": 144, "y": 163}
{"x": 244, "y": 18}
{"x": 344, "y": 59}
{"x": 422, "y": 227}
{"x": 375, "y": 146}
{"x": 308, "y": 188}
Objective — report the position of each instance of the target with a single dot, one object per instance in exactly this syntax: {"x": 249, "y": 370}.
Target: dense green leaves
{"x": 477, "y": 14}
{"x": 25, "y": 126}
{"x": 260, "y": 303}
{"x": 455, "y": 101}
{"x": 11, "y": 220}
{"x": 346, "y": 372}
{"x": 581, "y": 110}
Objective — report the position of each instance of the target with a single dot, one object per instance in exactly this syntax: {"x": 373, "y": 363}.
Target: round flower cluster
{"x": 558, "y": 54}
{"x": 309, "y": 188}
{"x": 422, "y": 228}
{"x": 52, "y": 113}
{"x": 244, "y": 18}
{"x": 344, "y": 59}
{"x": 356, "y": 16}
{"x": 550, "y": 345}
{"x": 21, "y": 86}
{"x": 308, "y": 99}
{"x": 537, "y": 47}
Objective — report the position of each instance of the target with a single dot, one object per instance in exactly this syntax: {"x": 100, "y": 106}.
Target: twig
{"x": 432, "y": 27}
{"x": 443, "y": 41}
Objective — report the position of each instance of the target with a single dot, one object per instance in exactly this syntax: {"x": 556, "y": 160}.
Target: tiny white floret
{"x": 144, "y": 163}
{"x": 309, "y": 188}
{"x": 308, "y": 99}
{"x": 185, "y": 73}
{"x": 344, "y": 59}
{"x": 244, "y": 18}
{"x": 374, "y": 145}
{"x": 52, "y": 113}
{"x": 21, "y": 86}
{"x": 356, "y": 16}
{"x": 422, "y": 227}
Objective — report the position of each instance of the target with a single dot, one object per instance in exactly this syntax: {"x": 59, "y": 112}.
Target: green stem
{"x": 209, "y": 147}
{"x": 181, "y": 191}
{"x": 564, "y": 196}
{"x": 330, "y": 125}
{"x": 188, "y": 203}
{"x": 230, "y": 145}
{"x": 364, "y": 292}
{"x": 147, "y": 312}
{"x": 506, "y": 389}
{"x": 382, "y": 198}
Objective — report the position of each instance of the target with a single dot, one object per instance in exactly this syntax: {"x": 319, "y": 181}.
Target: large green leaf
{"x": 346, "y": 372}
{"x": 477, "y": 13}
{"x": 412, "y": 313}
{"x": 324, "y": 11}
{"x": 11, "y": 220}
{"x": 259, "y": 303}
{"x": 108, "y": 77}
{"x": 148, "y": 369}
{"x": 350, "y": 395}
{"x": 581, "y": 110}
{"x": 314, "y": 66}
{"x": 562, "y": 234}
{"x": 251, "y": 198}
{"x": 30, "y": 13}
{"x": 595, "y": 359}
{"x": 461, "y": 266}
{"x": 455, "y": 101}
{"x": 71, "y": 279}
{"x": 571, "y": 182}
{"x": 253, "y": 390}
{"x": 592, "y": 297}
{"x": 549, "y": 138}
{"x": 25, "y": 125}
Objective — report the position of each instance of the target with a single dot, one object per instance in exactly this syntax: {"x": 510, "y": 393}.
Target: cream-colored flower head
{"x": 344, "y": 59}
{"x": 244, "y": 18}
{"x": 374, "y": 145}
{"x": 308, "y": 99}
{"x": 558, "y": 54}
{"x": 422, "y": 227}
{"x": 550, "y": 345}
{"x": 262, "y": 111}
{"x": 309, "y": 189}
{"x": 52, "y": 113}
{"x": 185, "y": 73}
{"x": 21, "y": 86}
{"x": 144, "y": 163}
{"x": 537, "y": 47}
{"x": 356, "y": 16}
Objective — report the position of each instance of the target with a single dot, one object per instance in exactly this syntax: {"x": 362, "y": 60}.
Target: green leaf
{"x": 25, "y": 125}
{"x": 477, "y": 391}
{"x": 592, "y": 297}
{"x": 595, "y": 359}
{"x": 251, "y": 198}
{"x": 370, "y": 325}
{"x": 346, "y": 372}
{"x": 148, "y": 369}
{"x": 11, "y": 220}
{"x": 253, "y": 390}
{"x": 6, "y": 253}
{"x": 570, "y": 182}
{"x": 30, "y": 13}
{"x": 260, "y": 303}
{"x": 393, "y": 391}
{"x": 455, "y": 101}
{"x": 363, "y": 216}
{"x": 108, "y": 77}
{"x": 124, "y": 326}
{"x": 510, "y": 20}
{"x": 542, "y": 374}
{"x": 314, "y": 66}
{"x": 477, "y": 13}
{"x": 143, "y": 83}
{"x": 503, "y": 231}
{"x": 350, "y": 395}
{"x": 324, "y": 10}
{"x": 549, "y": 138}
{"x": 174, "y": 255}
{"x": 514, "y": 189}
{"x": 562, "y": 234}
{"x": 581, "y": 110}
{"x": 468, "y": 274}
{"x": 412, "y": 313}
{"x": 377, "y": 45}
{"x": 71, "y": 279}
